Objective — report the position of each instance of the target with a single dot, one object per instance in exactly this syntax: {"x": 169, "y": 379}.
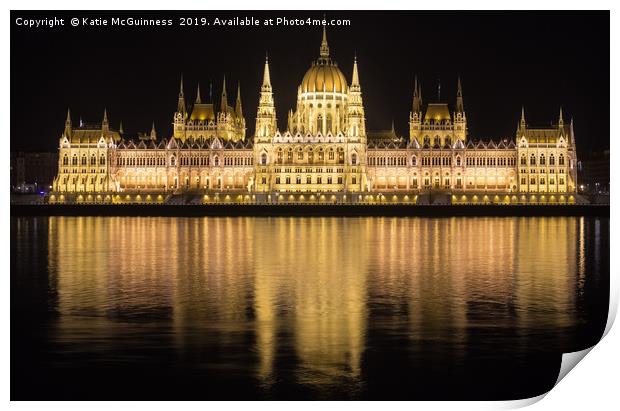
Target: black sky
{"x": 539, "y": 59}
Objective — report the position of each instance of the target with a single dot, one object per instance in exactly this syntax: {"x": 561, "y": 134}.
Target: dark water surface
{"x": 301, "y": 308}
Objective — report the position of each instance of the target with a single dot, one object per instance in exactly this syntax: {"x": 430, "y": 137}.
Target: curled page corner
{"x": 569, "y": 360}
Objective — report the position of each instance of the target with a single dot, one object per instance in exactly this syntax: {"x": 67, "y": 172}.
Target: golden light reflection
{"x": 239, "y": 282}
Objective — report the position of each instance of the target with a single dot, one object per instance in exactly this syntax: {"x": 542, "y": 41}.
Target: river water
{"x": 302, "y": 308}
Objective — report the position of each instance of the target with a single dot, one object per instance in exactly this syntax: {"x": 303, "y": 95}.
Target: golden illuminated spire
{"x": 181, "y": 103}
{"x": 266, "y": 76}
{"x": 355, "y": 80}
{"x": 561, "y": 120}
{"x": 198, "y": 101}
{"x": 459, "y": 96}
{"x": 324, "y": 46}
{"x": 522, "y": 124}
{"x": 224, "y": 103}
{"x": 68, "y": 127}
{"x": 238, "y": 109}
{"x": 153, "y": 133}
{"x": 417, "y": 98}
{"x": 105, "y": 125}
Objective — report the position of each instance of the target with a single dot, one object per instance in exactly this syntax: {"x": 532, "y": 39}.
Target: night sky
{"x": 539, "y": 59}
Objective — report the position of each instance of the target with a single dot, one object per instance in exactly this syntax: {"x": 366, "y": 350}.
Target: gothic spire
{"x": 522, "y": 123}
{"x": 324, "y": 45}
{"x": 105, "y": 125}
{"x": 459, "y": 96}
{"x": 561, "y": 120}
{"x": 68, "y": 126}
{"x": 238, "y": 109}
{"x": 181, "y": 103}
{"x": 355, "y": 79}
{"x": 224, "y": 102}
{"x": 417, "y": 100}
{"x": 198, "y": 101}
{"x": 153, "y": 133}
{"x": 266, "y": 76}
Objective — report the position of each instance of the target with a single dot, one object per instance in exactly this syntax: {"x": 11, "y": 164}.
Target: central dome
{"x": 324, "y": 75}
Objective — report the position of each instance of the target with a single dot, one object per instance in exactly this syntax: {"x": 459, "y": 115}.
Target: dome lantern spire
{"x": 324, "y": 45}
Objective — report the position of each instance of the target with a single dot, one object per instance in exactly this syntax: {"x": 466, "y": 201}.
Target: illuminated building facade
{"x": 324, "y": 154}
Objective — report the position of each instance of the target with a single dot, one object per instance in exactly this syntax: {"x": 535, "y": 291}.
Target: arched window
{"x": 427, "y": 140}
{"x": 414, "y": 161}
{"x": 329, "y": 123}
{"x": 533, "y": 160}
{"x": 551, "y": 160}
{"x": 173, "y": 161}
{"x": 102, "y": 160}
{"x": 216, "y": 161}
{"x": 84, "y": 160}
{"x": 65, "y": 160}
{"x": 523, "y": 160}
{"x": 561, "y": 160}
{"x": 542, "y": 159}
{"x": 319, "y": 123}
{"x": 437, "y": 140}
{"x": 354, "y": 159}
{"x": 331, "y": 154}
{"x": 263, "y": 158}
{"x": 300, "y": 154}
{"x": 458, "y": 160}
{"x": 93, "y": 160}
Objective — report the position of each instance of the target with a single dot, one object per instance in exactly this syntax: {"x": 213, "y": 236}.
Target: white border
{"x": 593, "y": 385}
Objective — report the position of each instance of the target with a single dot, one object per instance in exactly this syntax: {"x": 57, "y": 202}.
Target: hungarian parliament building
{"x": 324, "y": 154}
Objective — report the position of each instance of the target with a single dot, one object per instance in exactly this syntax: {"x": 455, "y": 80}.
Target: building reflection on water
{"x": 299, "y": 297}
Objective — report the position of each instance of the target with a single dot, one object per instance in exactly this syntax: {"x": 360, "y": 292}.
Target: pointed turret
{"x": 238, "y": 108}
{"x": 355, "y": 81}
{"x": 459, "y": 96}
{"x": 224, "y": 100}
{"x": 68, "y": 125}
{"x": 105, "y": 125}
{"x": 266, "y": 123}
{"x": 266, "y": 76}
{"x": 153, "y": 132}
{"x": 198, "y": 100}
{"x": 561, "y": 119}
{"x": 522, "y": 123}
{"x": 181, "y": 103}
{"x": 120, "y": 128}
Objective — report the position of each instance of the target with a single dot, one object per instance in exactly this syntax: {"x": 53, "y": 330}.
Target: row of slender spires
{"x": 417, "y": 95}
{"x": 105, "y": 124}
{"x": 224, "y": 100}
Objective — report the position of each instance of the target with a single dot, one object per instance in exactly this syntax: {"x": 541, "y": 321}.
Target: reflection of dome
{"x": 324, "y": 76}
